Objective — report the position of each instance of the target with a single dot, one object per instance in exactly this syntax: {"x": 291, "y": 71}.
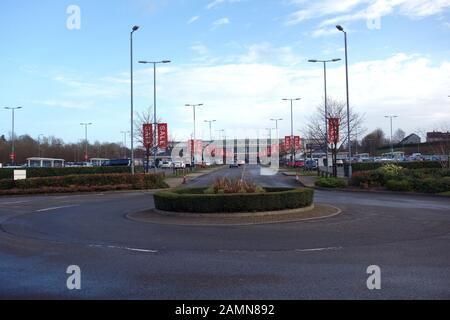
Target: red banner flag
{"x": 163, "y": 136}
{"x": 287, "y": 143}
{"x": 333, "y": 130}
{"x": 297, "y": 142}
{"x": 148, "y": 135}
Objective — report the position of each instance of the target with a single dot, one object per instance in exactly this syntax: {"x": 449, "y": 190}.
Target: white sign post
{"x": 20, "y": 175}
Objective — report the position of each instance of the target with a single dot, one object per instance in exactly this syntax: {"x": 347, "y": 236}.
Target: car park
{"x": 166, "y": 164}
{"x": 234, "y": 165}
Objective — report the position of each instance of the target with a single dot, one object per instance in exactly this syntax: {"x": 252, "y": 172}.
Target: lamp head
{"x": 135, "y": 28}
{"x": 339, "y": 27}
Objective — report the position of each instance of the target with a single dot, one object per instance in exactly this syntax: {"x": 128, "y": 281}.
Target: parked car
{"x": 166, "y": 164}
{"x": 311, "y": 164}
{"x": 241, "y": 163}
{"x": 179, "y": 165}
{"x": 234, "y": 165}
{"x": 296, "y": 164}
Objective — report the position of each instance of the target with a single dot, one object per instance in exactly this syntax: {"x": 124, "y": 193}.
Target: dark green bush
{"x": 399, "y": 185}
{"x": 192, "y": 200}
{"x": 138, "y": 181}
{"x": 432, "y": 185}
{"x": 366, "y": 166}
{"x": 331, "y": 182}
{"x": 57, "y": 172}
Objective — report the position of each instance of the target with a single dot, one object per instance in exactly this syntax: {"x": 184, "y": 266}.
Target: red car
{"x": 296, "y": 164}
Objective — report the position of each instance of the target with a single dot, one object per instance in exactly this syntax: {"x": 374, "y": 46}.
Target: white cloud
{"x": 339, "y": 12}
{"x": 216, "y": 3}
{"x": 221, "y": 22}
{"x": 193, "y": 19}
{"x": 247, "y": 94}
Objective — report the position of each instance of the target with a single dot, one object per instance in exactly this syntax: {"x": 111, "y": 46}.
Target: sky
{"x": 239, "y": 58}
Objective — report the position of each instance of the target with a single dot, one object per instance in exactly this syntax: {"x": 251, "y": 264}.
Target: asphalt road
{"x": 408, "y": 237}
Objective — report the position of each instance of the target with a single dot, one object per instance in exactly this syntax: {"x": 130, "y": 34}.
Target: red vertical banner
{"x": 297, "y": 142}
{"x": 287, "y": 143}
{"x": 333, "y": 130}
{"x": 163, "y": 136}
{"x": 269, "y": 151}
{"x": 147, "y": 131}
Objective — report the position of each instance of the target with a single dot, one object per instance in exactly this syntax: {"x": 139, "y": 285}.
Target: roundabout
{"x": 168, "y": 258}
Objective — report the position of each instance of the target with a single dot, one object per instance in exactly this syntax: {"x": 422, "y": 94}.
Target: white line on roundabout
{"x": 319, "y": 249}
{"x": 56, "y": 208}
{"x": 122, "y": 248}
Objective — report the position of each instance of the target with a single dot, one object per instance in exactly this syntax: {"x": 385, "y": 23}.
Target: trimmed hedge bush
{"x": 138, "y": 181}
{"x": 366, "y": 166}
{"x": 331, "y": 182}
{"x": 58, "y": 172}
{"x": 399, "y": 185}
{"x": 195, "y": 201}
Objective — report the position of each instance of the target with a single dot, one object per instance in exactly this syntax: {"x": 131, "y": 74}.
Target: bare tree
{"x": 316, "y": 129}
{"x": 374, "y": 140}
{"x": 399, "y": 135}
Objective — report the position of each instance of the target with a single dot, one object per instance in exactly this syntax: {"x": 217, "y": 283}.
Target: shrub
{"x": 58, "y": 172}
{"x": 399, "y": 185}
{"x": 331, "y": 183}
{"x": 366, "y": 166}
{"x": 432, "y": 185}
{"x": 189, "y": 200}
{"x": 138, "y": 181}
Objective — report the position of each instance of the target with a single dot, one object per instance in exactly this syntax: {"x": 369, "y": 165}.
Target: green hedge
{"x": 58, "y": 172}
{"x": 138, "y": 181}
{"x": 366, "y": 166}
{"x": 195, "y": 201}
{"x": 331, "y": 182}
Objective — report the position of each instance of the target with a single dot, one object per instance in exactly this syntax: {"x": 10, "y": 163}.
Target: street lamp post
{"x": 392, "y": 142}
{"x": 39, "y": 144}
{"x": 325, "y": 100}
{"x": 13, "y": 154}
{"x": 194, "y": 106}
{"x": 292, "y": 146}
{"x": 135, "y": 28}
{"x": 340, "y": 28}
{"x": 155, "y": 121}
{"x": 86, "y": 125}
{"x": 125, "y": 143}
{"x": 276, "y": 129}
{"x": 210, "y": 128}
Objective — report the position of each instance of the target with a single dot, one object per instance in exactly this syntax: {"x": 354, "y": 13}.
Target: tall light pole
{"x": 125, "y": 142}
{"x": 86, "y": 125}
{"x": 325, "y": 100}
{"x": 210, "y": 128}
{"x": 292, "y": 146}
{"x": 276, "y": 128}
{"x": 392, "y": 142}
{"x": 134, "y": 29}
{"x": 340, "y": 28}
{"x": 194, "y": 106}
{"x": 13, "y": 151}
{"x": 39, "y": 144}
{"x": 155, "y": 120}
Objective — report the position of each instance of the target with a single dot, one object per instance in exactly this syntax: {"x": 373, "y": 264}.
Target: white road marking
{"x": 56, "y": 208}
{"x": 123, "y": 248}
{"x": 319, "y": 249}
{"x": 15, "y": 202}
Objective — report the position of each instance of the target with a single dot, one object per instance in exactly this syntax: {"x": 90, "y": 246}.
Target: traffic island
{"x": 155, "y": 216}
{"x": 212, "y": 206}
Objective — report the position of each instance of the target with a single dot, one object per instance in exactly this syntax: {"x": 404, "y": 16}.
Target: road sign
{"x": 20, "y": 174}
